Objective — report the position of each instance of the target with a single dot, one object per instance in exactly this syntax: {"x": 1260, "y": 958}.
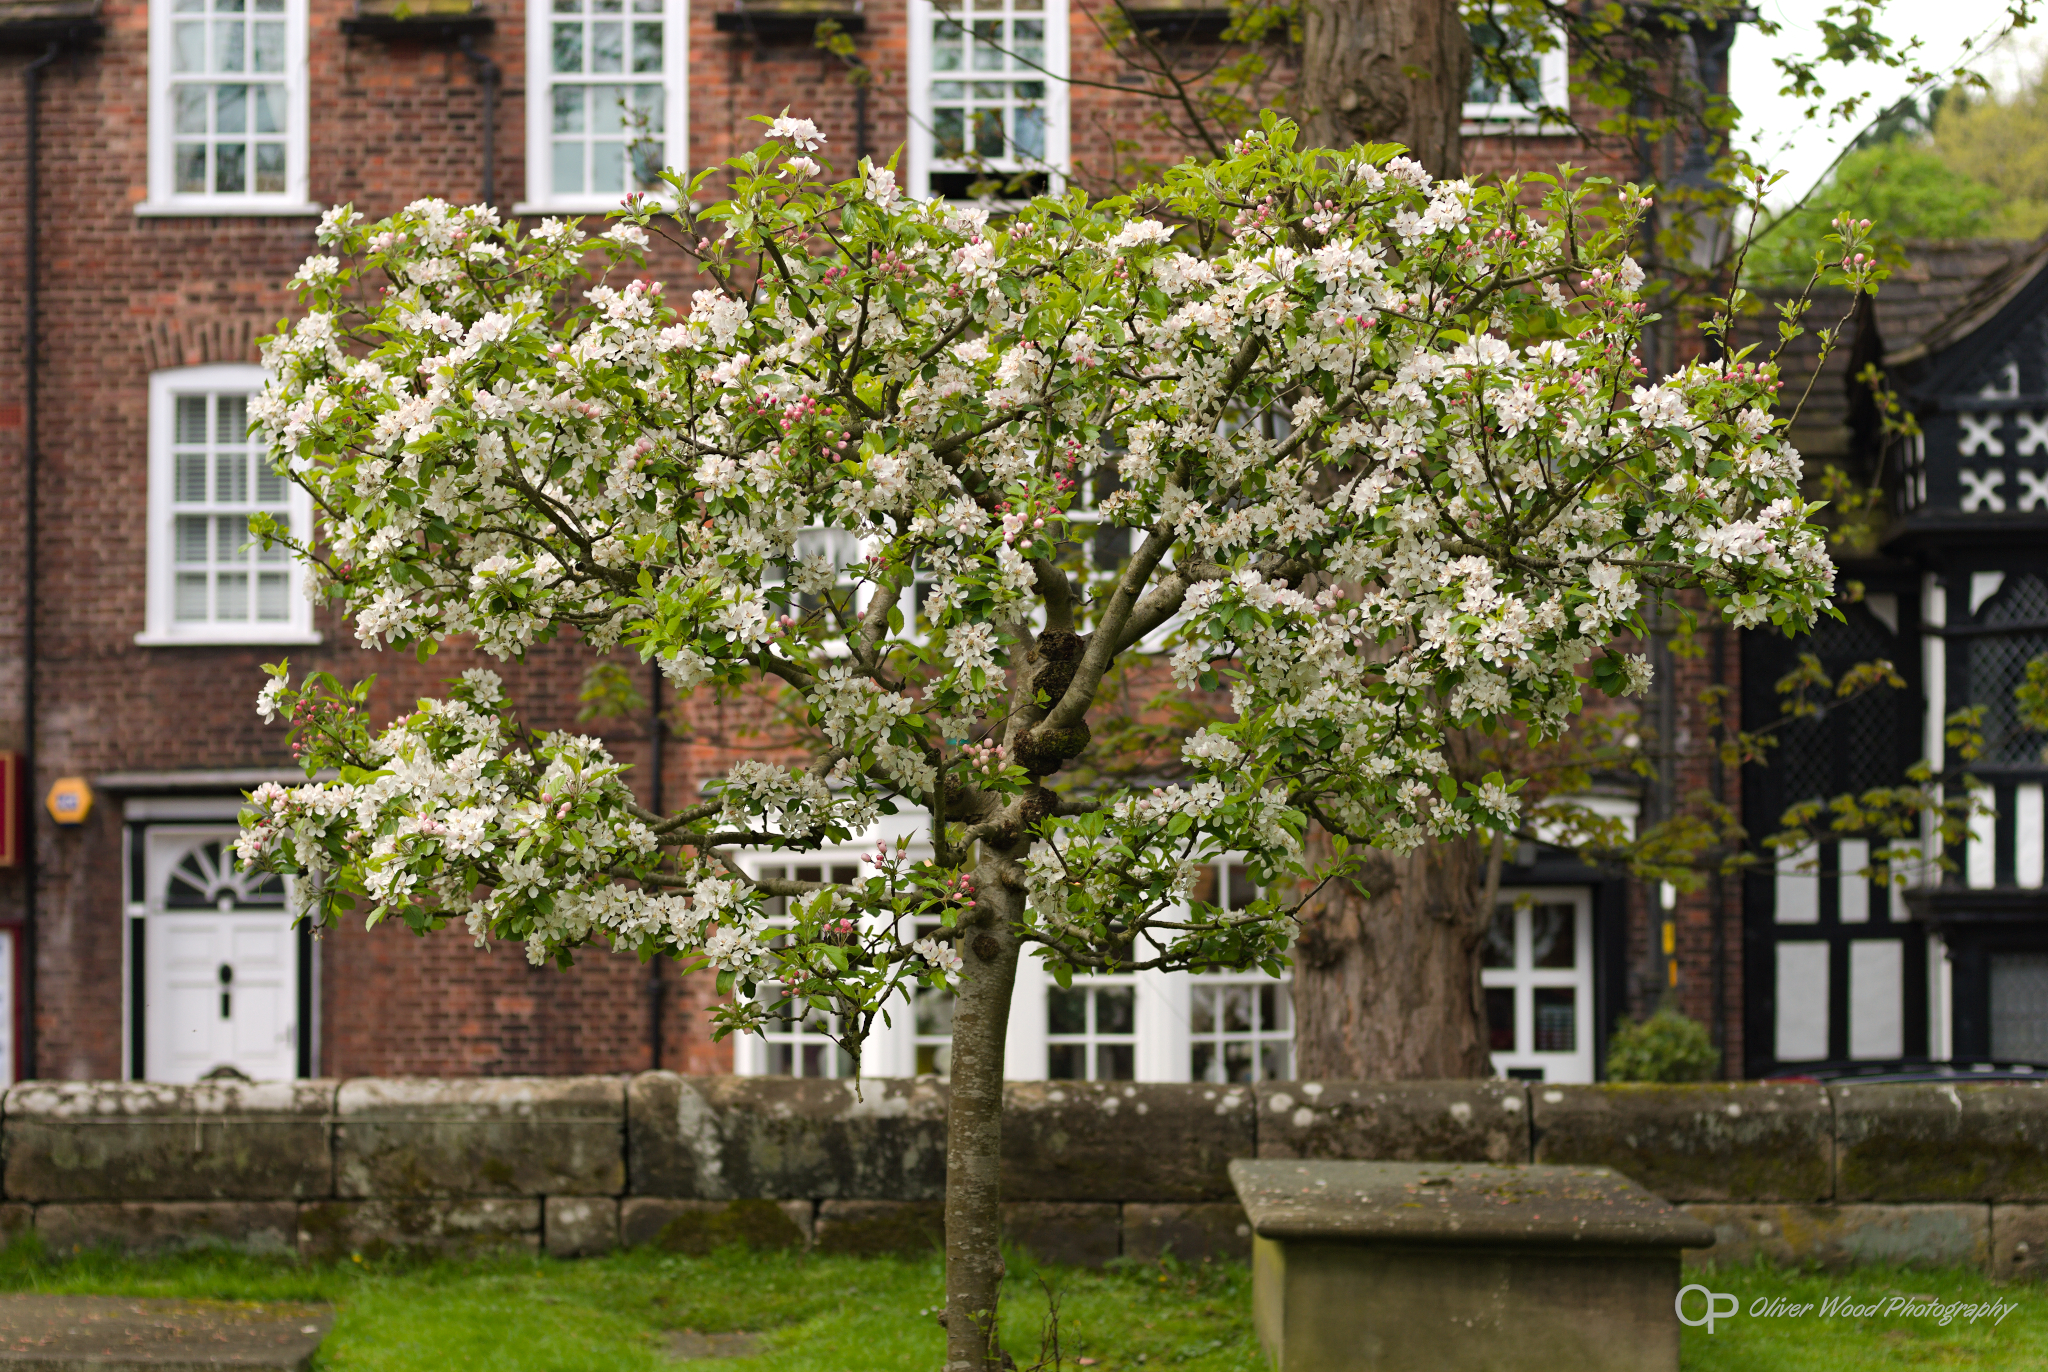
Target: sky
{"x": 1775, "y": 127}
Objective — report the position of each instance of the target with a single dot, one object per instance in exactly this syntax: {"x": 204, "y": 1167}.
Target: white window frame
{"x": 1553, "y": 76}
{"x": 1575, "y": 1066}
{"x": 160, "y": 628}
{"x": 923, "y": 13}
{"x": 164, "y": 199}
{"x": 540, "y": 106}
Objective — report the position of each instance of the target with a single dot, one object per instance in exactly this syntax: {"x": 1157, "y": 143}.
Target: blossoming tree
{"x": 1386, "y": 458}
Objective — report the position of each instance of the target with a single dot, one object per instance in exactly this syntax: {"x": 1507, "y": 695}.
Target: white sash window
{"x": 209, "y": 581}
{"x": 227, "y": 107}
{"x": 607, "y": 102}
{"x": 988, "y": 102}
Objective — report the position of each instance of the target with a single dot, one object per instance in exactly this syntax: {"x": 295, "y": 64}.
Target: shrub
{"x": 1665, "y": 1047}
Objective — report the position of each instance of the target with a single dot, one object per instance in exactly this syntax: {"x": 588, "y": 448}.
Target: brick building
{"x": 180, "y": 152}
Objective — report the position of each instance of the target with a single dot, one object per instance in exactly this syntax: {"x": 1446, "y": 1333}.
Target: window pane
{"x": 1202, "y": 1062}
{"x": 1066, "y": 1012}
{"x": 607, "y": 109}
{"x": 189, "y": 599}
{"x": 568, "y": 168}
{"x": 1031, "y": 143}
{"x": 232, "y": 589}
{"x": 648, "y": 108}
{"x": 188, "y": 45}
{"x": 1116, "y": 1062}
{"x": 568, "y": 6}
{"x": 191, "y": 542}
{"x": 230, "y": 532}
{"x": 189, "y": 104}
{"x": 569, "y": 110}
{"x": 1113, "y": 1010}
{"x": 231, "y": 479}
{"x": 190, "y": 169}
{"x": 1035, "y": 90}
{"x": 231, "y": 419}
{"x": 1276, "y": 1062}
{"x": 608, "y": 168}
{"x": 947, "y": 126}
{"x": 272, "y": 599}
{"x": 934, "y": 1059}
{"x": 1553, "y": 936}
{"x": 1028, "y": 43}
{"x": 996, "y": 90}
{"x": 270, "y": 168}
{"x": 607, "y": 47}
{"x": 229, "y": 174}
{"x": 190, "y": 487}
{"x": 227, "y": 45}
{"x": 945, "y": 46}
{"x": 949, "y": 90}
{"x": 1237, "y": 1010}
{"x": 569, "y": 47}
{"x": 1066, "y": 1062}
{"x": 1500, "y": 1019}
{"x": 231, "y": 109}
{"x": 988, "y": 133}
{"x": 188, "y": 6}
{"x": 269, "y": 109}
{"x": 647, "y": 47}
{"x": 932, "y": 1011}
{"x": 268, "y": 6}
{"x": 1237, "y": 1061}
{"x": 191, "y": 424}
{"x": 1499, "y": 948}
{"x": 266, "y": 46}
{"x": 227, "y": 6}
{"x": 1202, "y": 1011}
{"x": 1557, "y": 1019}
{"x": 2019, "y": 1006}
{"x": 606, "y": 7}
{"x": 647, "y": 6}
{"x": 988, "y": 34}
{"x": 269, "y": 485}
{"x": 647, "y": 161}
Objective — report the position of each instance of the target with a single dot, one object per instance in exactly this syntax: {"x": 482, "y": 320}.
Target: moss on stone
{"x": 755, "y": 1224}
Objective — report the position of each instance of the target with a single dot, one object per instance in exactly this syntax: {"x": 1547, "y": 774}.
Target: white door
{"x": 220, "y": 957}
{"x": 1537, "y": 974}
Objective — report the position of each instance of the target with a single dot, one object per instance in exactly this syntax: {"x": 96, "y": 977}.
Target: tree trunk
{"x": 1386, "y": 970}
{"x": 1385, "y": 71}
{"x": 974, "y": 1121}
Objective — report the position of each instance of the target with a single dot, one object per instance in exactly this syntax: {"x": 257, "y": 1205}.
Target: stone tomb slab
{"x": 1462, "y": 1267}
{"x": 41, "y": 1333}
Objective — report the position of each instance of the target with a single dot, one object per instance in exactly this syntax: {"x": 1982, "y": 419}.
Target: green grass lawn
{"x": 815, "y": 1314}
{"x": 1810, "y": 1343}
{"x": 828, "y": 1314}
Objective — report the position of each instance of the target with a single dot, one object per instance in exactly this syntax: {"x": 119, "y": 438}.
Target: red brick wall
{"x": 124, "y": 296}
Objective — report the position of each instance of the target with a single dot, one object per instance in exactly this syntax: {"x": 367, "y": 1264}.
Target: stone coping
{"x": 112, "y": 1333}
{"x": 1458, "y": 1204}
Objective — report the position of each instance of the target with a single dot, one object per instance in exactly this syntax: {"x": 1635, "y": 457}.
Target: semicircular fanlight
{"x": 205, "y": 877}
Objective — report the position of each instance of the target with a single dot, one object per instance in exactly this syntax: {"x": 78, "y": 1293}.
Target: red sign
{"x": 10, "y": 810}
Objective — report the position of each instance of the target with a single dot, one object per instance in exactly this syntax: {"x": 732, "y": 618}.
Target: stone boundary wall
{"x": 1840, "y": 1175}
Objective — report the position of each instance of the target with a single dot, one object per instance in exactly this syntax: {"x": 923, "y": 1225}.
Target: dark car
{"x": 1914, "y": 1069}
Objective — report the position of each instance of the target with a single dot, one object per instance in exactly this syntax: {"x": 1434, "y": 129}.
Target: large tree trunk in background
{"x": 1386, "y": 968}
{"x": 1385, "y": 71}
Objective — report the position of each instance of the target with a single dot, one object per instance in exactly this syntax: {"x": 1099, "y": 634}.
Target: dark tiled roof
{"x": 1948, "y": 287}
